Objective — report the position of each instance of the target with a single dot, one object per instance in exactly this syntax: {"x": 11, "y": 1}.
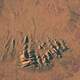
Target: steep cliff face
{"x": 41, "y": 18}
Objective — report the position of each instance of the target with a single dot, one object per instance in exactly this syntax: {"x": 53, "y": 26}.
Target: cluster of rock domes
{"x": 31, "y": 58}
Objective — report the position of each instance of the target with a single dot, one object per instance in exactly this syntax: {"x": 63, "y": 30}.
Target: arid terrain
{"x": 58, "y": 19}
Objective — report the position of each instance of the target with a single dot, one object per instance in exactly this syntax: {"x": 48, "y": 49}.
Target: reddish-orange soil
{"x": 58, "y": 19}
